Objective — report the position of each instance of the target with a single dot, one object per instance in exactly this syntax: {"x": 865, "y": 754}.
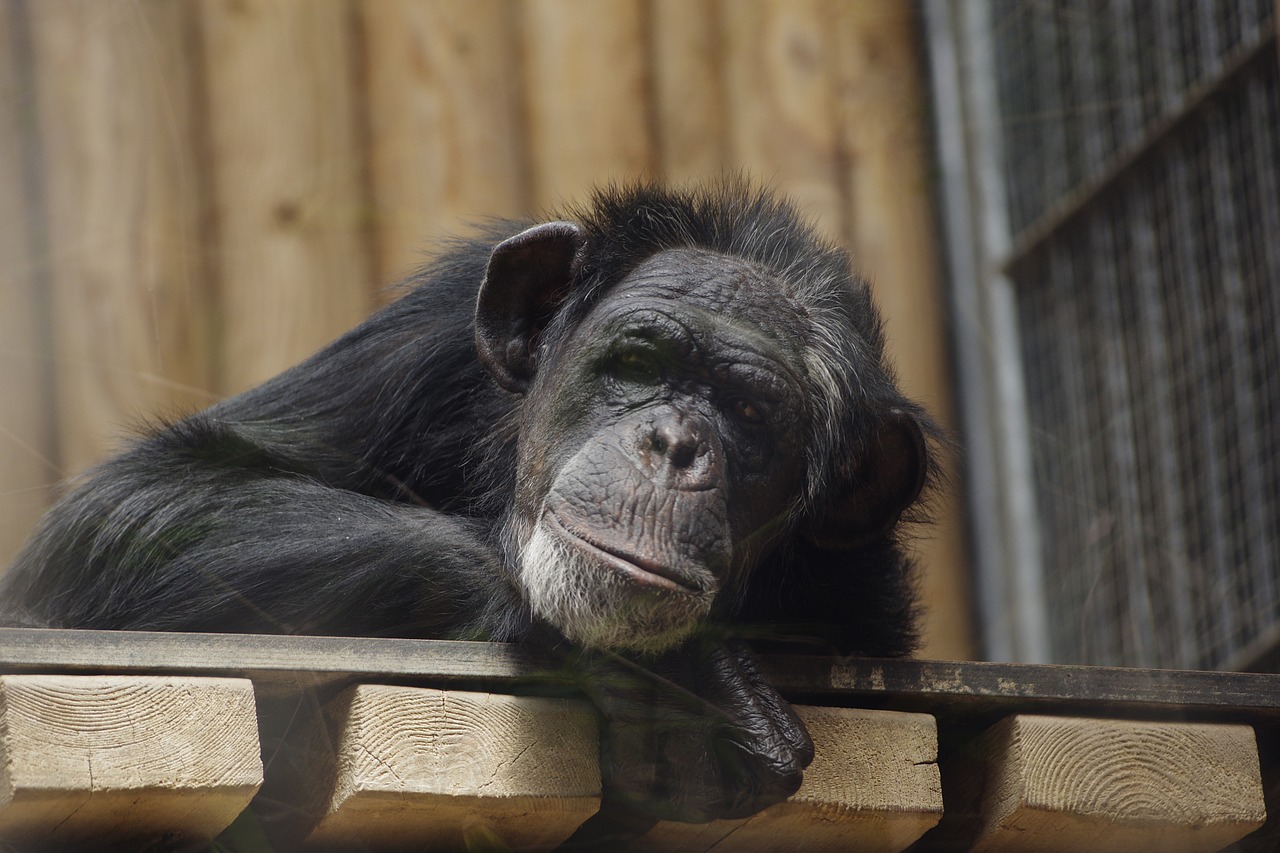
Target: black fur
{"x": 360, "y": 492}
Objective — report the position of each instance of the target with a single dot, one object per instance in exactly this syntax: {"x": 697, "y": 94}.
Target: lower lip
{"x": 643, "y": 577}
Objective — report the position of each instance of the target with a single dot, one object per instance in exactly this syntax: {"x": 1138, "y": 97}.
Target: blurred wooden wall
{"x": 195, "y": 195}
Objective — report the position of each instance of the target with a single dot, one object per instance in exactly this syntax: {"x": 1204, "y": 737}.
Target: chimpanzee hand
{"x": 694, "y": 735}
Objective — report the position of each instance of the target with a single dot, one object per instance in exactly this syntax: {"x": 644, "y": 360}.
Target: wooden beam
{"x": 689, "y": 99}
{"x": 1110, "y": 786}
{"x": 955, "y": 688}
{"x": 28, "y": 445}
{"x": 780, "y": 81}
{"x": 86, "y": 758}
{"x": 403, "y": 764}
{"x": 120, "y": 185}
{"x": 443, "y": 105}
{"x": 289, "y": 193}
{"x": 586, "y": 96}
{"x": 873, "y": 786}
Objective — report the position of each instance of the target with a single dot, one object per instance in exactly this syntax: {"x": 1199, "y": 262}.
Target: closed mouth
{"x": 636, "y": 569}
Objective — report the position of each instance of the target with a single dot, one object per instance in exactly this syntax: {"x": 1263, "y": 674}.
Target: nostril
{"x": 675, "y": 442}
{"x": 682, "y": 455}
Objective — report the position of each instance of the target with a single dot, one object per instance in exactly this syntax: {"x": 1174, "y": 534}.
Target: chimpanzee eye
{"x": 746, "y": 411}
{"x": 636, "y": 365}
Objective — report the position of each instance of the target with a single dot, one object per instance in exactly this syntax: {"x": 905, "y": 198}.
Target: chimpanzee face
{"x": 662, "y": 455}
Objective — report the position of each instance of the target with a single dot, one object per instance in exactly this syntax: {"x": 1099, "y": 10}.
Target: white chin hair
{"x": 595, "y": 606}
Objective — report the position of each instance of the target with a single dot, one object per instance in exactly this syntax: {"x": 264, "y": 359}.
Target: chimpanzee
{"x": 640, "y": 433}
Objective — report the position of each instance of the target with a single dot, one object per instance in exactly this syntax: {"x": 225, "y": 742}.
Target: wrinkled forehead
{"x": 722, "y": 288}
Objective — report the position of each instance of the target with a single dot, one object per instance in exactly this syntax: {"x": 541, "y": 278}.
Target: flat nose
{"x": 677, "y": 440}
{"x": 682, "y": 447}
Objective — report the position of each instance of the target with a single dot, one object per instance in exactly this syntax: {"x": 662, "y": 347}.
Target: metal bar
{"x": 1023, "y": 572}
{"x": 969, "y": 318}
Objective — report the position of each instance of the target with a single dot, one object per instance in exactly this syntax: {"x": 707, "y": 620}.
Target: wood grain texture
{"x": 1068, "y": 784}
{"x": 27, "y": 442}
{"x": 90, "y": 759}
{"x": 289, "y": 193}
{"x": 687, "y": 58}
{"x": 443, "y": 101}
{"x": 975, "y": 690}
{"x": 780, "y": 75}
{"x": 891, "y": 231}
{"x": 121, "y": 189}
{"x": 456, "y": 767}
{"x": 586, "y": 96}
{"x": 873, "y": 786}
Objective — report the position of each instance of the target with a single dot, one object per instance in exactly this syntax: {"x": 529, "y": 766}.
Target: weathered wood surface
{"x": 586, "y": 95}
{"x": 989, "y": 690}
{"x": 410, "y": 764}
{"x": 386, "y": 748}
{"x": 780, "y": 60}
{"x": 117, "y": 206}
{"x": 28, "y": 450}
{"x": 873, "y": 786}
{"x": 443, "y": 102}
{"x": 84, "y": 759}
{"x": 940, "y": 687}
{"x": 689, "y": 89}
{"x": 288, "y": 187}
{"x": 1108, "y": 786}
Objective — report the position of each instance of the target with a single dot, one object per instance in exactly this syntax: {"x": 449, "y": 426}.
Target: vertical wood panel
{"x": 893, "y": 238}
{"x": 443, "y": 100}
{"x": 587, "y": 95}
{"x": 780, "y": 68}
{"x": 122, "y": 196}
{"x": 26, "y": 447}
{"x": 686, "y": 58}
{"x": 293, "y": 265}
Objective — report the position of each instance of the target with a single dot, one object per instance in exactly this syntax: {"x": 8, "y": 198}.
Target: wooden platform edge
{"x": 293, "y": 662}
{"x": 84, "y": 758}
{"x": 1110, "y": 786}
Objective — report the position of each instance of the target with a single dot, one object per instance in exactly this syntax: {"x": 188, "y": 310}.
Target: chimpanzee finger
{"x": 790, "y": 727}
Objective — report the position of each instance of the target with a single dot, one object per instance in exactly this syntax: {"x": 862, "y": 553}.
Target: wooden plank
{"x": 892, "y": 234}
{"x": 780, "y": 74}
{"x": 288, "y": 193}
{"x": 873, "y": 786}
{"x": 1064, "y": 784}
{"x": 586, "y": 96}
{"x": 121, "y": 187}
{"x": 961, "y": 689}
{"x": 686, "y": 61}
{"x": 455, "y": 767}
{"x": 443, "y": 99}
{"x": 27, "y": 441}
{"x": 94, "y": 759}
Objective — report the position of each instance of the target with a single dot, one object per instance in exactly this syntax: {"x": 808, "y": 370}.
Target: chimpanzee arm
{"x": 221, "y": 538}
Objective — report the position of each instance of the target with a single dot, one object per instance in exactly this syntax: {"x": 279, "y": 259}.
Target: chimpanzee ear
{"x": 887, "y": 481}
{"x": 529, "y": 275}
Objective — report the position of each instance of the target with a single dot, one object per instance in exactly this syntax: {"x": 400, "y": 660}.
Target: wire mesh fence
{"x": 1142, "y": 150}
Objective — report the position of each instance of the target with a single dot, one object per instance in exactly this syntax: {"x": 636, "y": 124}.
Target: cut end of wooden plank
{"x": 83, "y": 758}
{"x": 414, "y": 763}
{"x": 1068, "y": 783}
{"x": 873, "y": 786}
